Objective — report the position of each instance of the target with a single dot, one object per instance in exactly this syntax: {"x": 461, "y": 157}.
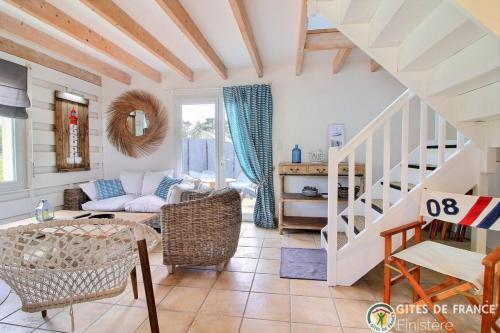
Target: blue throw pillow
{"x": 164, "y": 186}
{"x": 109, "y": 188}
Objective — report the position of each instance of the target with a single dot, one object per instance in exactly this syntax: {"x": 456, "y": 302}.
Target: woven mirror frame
{"x": 118, "y": 131}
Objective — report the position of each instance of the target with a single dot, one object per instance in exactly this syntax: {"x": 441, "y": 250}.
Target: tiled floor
{"x": 249, "y": 296}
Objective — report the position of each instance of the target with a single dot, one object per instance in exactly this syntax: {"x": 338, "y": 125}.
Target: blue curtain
{"x": 250, "y": 115}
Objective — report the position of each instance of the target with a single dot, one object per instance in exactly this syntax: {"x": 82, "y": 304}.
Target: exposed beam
{"x": 21, "y": 51}
{"x": 240, "y": 14}
{"x": 51, "y": 15}
{"x": 374, "y": 66}
{"x": 328, "y": 39}
{"x": 120, "y": 19}
{"x": 181, "y": 18}
{"x": 23, "y": 30}
{"x": 340, "y": 59}
{"x": 302, "y": 38}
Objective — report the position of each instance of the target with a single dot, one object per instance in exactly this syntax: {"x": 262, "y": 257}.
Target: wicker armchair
{"x": 201, "y": 232}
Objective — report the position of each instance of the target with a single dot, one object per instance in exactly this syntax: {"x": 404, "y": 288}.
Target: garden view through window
{"x": 208, "y": 153}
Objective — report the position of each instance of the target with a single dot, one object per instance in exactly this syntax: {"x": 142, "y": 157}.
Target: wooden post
{"x": 133, "y": 280}
{"x": 387, "y": 270}
{"x": 148, "y": 285}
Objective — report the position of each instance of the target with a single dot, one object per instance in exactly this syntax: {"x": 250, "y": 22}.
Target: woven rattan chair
{"x": 63, "y": 262}
{"x": 201, "y": 232}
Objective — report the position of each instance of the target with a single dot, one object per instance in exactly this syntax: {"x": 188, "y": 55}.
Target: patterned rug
{"x": 307, "y": 264}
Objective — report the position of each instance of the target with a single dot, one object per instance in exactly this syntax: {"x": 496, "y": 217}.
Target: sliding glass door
{"x": 207, "y": 152}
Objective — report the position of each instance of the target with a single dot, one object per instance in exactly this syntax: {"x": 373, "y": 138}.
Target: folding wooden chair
{"x": 465, "y": 270}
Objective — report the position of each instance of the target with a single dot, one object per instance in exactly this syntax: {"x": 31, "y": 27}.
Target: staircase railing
{"x": 366, "y": 138}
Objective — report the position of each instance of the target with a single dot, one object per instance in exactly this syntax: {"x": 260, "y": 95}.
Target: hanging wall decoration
{"x": 137, "y": 123}
{"x": 72, "y": 132}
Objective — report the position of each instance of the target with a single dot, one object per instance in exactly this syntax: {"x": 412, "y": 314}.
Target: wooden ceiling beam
{"x": 120, "y": 19}
{"x": 340, "y": 59}
{"x": 51, "y": 15}
{"x": 185, "y": 23}
{"x": 241, "y": 16}
{"x": 302, "y": 38}
{"x": 374, "y": 66}
{"x": 326, "y": 40}
{"x": 27, "y": 53}
{"x": 27, "y": 32}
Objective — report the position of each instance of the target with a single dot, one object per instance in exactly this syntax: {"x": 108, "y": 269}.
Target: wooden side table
{"x": 308, "y": 169}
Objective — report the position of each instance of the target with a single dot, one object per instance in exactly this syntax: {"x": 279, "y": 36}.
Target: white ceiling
{"x": 274, "y": 23}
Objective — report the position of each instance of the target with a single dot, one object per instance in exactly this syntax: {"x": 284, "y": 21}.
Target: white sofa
{"x": 139, "y": 187}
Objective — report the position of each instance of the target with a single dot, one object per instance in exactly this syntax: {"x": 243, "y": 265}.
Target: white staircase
{"x": 450, "y": 61}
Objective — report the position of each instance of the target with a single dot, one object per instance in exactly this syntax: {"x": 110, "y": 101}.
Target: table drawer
{"x": 318, "y": 169}
{"x": 293, "y": 169}
{"x": 343, "y": 169}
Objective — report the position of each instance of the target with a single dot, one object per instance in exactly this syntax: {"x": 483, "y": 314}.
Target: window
{"x": 12, "y": 164}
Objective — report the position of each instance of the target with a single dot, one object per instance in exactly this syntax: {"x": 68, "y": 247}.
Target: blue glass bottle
{"x": 296, "y": 154}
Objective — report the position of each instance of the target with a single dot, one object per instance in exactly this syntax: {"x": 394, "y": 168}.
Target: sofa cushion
{"x": 152, "y": 180}
{"x": 164, "y": 186}
{"x": 145, "y": 204}
{"x": 132, "y": 181}
{"x": 108, "y": 188}
{"x": 89, "y": 189}
{"x": 175, "y": 193}
{"x": 113, "y": 204}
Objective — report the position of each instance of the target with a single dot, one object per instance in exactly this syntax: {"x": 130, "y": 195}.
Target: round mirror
{"x": 137, "y": 123}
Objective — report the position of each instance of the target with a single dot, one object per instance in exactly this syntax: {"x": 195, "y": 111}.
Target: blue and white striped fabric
{"x": 108, "y": 188}
{"x": 164, "y": 186}
{"x": 250, "y": 115}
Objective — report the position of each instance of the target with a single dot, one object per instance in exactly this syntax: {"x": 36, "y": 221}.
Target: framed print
{"x": 336, "y": 135}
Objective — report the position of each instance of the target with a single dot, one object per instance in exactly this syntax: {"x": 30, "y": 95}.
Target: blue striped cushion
{"x": 164, "y": 187}
{"x": 109, "y": 188}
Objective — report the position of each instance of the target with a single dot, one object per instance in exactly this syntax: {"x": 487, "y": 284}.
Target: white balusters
{"x": 387, "y": 165}
{"x": 441, "y": 140}
{"x": 350, "y": 200}
{"x": 333, "y": 172}
{"x": 460, "y": 140}
{"x": 368, "y": 180}
{"x": 423, "y": 140}
{"x": 405, "y": 129}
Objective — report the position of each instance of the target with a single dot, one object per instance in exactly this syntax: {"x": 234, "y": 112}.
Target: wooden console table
{"x": 308, "y": 169}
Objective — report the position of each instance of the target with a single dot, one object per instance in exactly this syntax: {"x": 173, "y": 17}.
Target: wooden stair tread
{"x": 377, "y": 204}
{"x": 341, "y": 238}
{"x": 397, "y": 185}
{"x": 429, "y": 167}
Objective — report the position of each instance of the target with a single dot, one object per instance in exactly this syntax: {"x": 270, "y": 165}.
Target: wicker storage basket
{"x": 74, "y": 198}
{"x": 343, "y": 192}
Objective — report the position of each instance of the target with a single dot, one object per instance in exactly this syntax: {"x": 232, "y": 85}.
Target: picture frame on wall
{"x": 336, "y": 135}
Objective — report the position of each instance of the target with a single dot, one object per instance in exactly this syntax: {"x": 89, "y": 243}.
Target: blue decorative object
{"x": 250, "y": 116}
{"x": 109, "y": 188}
{"x": 164, "y": 187}
{"x": 296, "y": 154}
{"x": 44, "y": 211}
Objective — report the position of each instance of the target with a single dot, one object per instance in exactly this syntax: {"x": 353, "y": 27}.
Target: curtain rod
{"x": 207, "y": 88}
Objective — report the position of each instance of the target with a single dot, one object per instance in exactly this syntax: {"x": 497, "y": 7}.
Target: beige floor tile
{"x": 301, "y": 243}
{"x": 160, "y": 291}
{"x": 314, "y": 310}
{"x": 197, "y": 278}
{"x": 241, "y": 265}
{"x": 184, "y": 299}
{"x": 352, "y": 313}
{"x": 225, "y": 302}
{"x": 360, "y": 290}
{"x": 160, "y": 275}
{"x": 156, "y": 259}
{"x": 119, "y": 318}
{"x": 309, "y": 328}
{"x": 309, "y": 288}
{"x": 270, "y": 283}
{"x": 28, "y": 319}
{"x": 264, "y": 326}
{"x": 4, "y": 328}
{"x": 356, "y": 330}
{"x": 10, "y": 305}
{"x": 247, "y": 252}
{"x": 209, "y": 323}
{"x": 85, "y": 314}
{"x": 234, "y": 281}
{"x": 269, "y": 266}
{"x": 268, "y": 306}
{"x": 305, "y": 236}
{"x": 170, "y": 322}
{"x": 250, "y": 241}
{"x": 270, "y": 253}
{"x": 275, "y": 242}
